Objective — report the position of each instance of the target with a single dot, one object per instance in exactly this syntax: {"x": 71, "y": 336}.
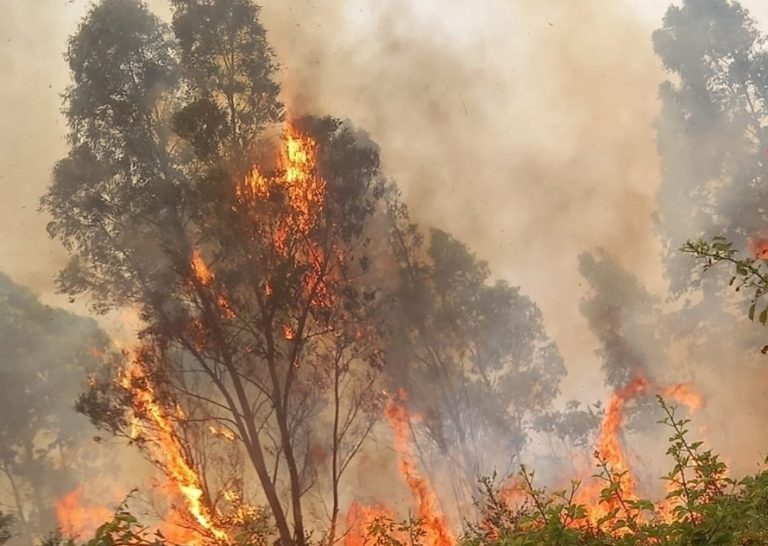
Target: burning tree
{"x": 259, "y": 253}
{"x": 475, "y": 358}
{"x": 244, "y": 249}
{"x": 44, "y": 447}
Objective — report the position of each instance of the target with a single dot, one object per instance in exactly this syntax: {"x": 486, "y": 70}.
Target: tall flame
{"x": 151, "y": 421}
{"x": 433, "y": 520}
{"x": 608, "y": 445}
{"x": 304, "y": 189}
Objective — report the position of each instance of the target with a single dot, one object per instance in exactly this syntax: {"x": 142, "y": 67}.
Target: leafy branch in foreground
{"x": 749, "y": 274}
{"x": 703, "y": 505}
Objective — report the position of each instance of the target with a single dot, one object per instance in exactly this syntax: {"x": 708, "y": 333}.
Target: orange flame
{"x": 433, "y": 520}
{"x": 360, "y": 518}
{"x": 609, "y": 442}
{"x": 609, "y": 448}
{"x": 200, "y": 269}
{"x": 305, "y": 190}
{"x": 759, "y": 247}
{"x": 151, "y": 419}
{"x": 76, "y": 517}
{"x": 685, "y": 395}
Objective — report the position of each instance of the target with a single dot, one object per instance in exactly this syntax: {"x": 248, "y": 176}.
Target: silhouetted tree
{"x": 44, "y": 447}
{"x": 472, "y": 354}
{"x": 712, "y": 130}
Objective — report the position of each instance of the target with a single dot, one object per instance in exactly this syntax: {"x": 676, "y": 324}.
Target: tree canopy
{"x": 262, "y": 251}
{"x": 44, "y": 445}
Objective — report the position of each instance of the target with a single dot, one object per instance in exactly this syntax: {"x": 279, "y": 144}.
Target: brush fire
{"x": 269, "y": 339}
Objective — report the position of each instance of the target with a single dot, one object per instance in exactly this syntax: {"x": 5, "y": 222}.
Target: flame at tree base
{"x": 432, "y": 518}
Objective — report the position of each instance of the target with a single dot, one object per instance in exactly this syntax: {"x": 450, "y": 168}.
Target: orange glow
{"x": 306, "y": 190}
{"x": 253, "y": 187}
{"x": 298, "y": 181}
{"x": 433, "y": 520}
{"x": 609, "y": 448}
{"x": 222, "y": 432}
{"x": 758, "y": 247}
{"x": 609, "y": 441}
{"x": 152, "y": 422}
{"x": 77, "y": 517}
{"x": 300, "y": 184}
{"x": 685, "y": 395}
{"x": 288, "y": 332}
{"x": 200, "y": 269}
{"x": 225, "y": 306}
{"x": 359, "y": 520}
{"x": 513, "y": 491}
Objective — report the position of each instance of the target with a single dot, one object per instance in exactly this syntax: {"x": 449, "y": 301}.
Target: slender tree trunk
{"x": 19, "y": 507}
{"x": 335, "y": 455}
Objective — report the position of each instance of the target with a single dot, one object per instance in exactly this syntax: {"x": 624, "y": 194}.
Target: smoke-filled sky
{"x": 523, "y": 127}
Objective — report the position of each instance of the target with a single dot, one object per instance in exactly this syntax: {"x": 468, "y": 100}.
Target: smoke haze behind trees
{"x": 500, "y": 88}
{"x": 513, "y": 90}
{"x": 554, "y": 130}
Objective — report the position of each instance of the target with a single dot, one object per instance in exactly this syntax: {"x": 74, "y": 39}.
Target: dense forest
{"x": 304, "y": 354}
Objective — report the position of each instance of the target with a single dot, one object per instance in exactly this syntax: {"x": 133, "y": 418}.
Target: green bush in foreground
{"x": 703, "y": 506}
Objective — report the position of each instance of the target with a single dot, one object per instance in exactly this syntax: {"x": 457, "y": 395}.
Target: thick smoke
{"x": 529, "y": 132}
{"x": 525, "y": 130}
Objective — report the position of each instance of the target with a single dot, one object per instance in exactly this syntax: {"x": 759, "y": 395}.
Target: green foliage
{"x": 122, "y": 530}
{"x": 472, "y": 354}
{"x": 749, "y": 275}
{"x": 384, "y": 531}
{"x": 165, "y": 123}
{"x": 227, "y": 64}
{"x": 703, "y": 506}
{"x": 712, "y": 134}
{"x": 47, "y": 354}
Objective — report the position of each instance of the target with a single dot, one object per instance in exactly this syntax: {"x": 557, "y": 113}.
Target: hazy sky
{"x": 522, "y": 126}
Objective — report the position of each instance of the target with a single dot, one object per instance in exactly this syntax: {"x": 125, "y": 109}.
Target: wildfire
{"x": 298, "y": 180}
{"x": 608, "y": 443}
{"x": 685, "y": 395}
{"x": 200, "y": 269}
{"x": 222, "y": 432}
{"x": 360, "y": 519}
{"x": 435, "y": 526}
{"x": 512, "y": 491}
{"x": 304, "y": 191}
{"x": 77, "y": 517}
{"x": 759, "y": 247}
{"x": 609, "y": 449}
{"x": 152, "y": 422}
